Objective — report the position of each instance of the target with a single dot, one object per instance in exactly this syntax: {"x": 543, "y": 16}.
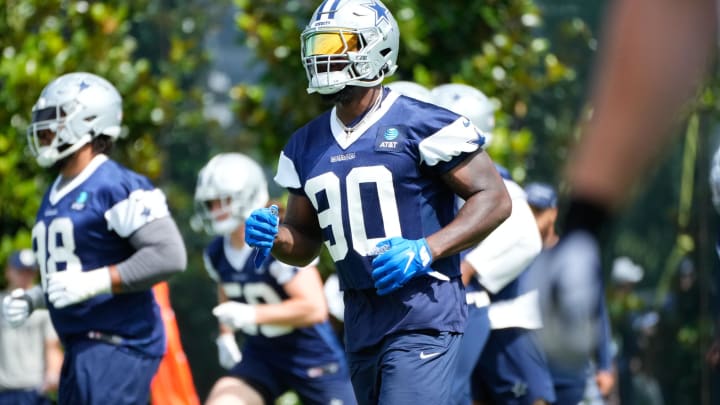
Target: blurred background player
{"x": 469, "y": 102}
{"x": 411, "y": 89}
{"x": 652, "y": 59}
{"x": 375, "y": 178}
{"x": 595, "y": 381}
{"x": 103, "y": 237}
{"x": 30, "y": 354}
{"x": 280, "y": 309}
{"x": 627, "y": 307}
{"x": 499, "y": 357}
{"x": 712, "y": 357}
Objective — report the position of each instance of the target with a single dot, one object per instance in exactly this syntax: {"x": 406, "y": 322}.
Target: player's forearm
{"x": 295, "y": 247}
{"x": 160, "y": 253}
{"x": 655, "y": 54}
{"x": 291, "y": 312}
{"x": 53, "y": 364}
{"x": 482, "y": 213}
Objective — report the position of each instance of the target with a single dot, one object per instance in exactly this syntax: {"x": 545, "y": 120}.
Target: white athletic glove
{"x": 228, "y": 351}
{"x": 17, "y": 307}
{"x": 70, "y": 287}
{"x": 235, "y": 315}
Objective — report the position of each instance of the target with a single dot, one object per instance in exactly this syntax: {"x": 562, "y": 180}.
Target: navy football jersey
{"x": 380, "y": 181}
{"x": 84, "y": 225}
{"x": 235, "y": 271}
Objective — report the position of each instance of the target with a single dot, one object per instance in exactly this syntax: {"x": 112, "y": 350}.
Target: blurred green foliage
{"x": 532, "y": 57}
{"x": 149, "y": 50}
{"x": 152, "y": 51}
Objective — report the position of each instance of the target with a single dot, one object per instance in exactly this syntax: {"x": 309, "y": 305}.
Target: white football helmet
{"x": 411, "y": 89}
{"x": 349, "y": 42}
{"x": 238, "y": 183}
{"x": 70, "y": 112}
{"x": 468, "y": 102}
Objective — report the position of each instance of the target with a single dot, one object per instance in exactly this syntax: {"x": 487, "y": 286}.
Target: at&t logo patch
{"x": 390, "y": 139}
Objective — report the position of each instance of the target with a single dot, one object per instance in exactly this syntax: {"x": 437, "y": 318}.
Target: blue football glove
{"x": 569, "y": 283}
{"x": 261, "y": 228}
{"x": 403, "y": 260}
{"x": 261, "y": 251}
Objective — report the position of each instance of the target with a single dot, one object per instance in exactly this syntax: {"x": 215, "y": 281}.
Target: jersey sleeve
{"x": 449, "y": 145}
{"x": 510, "y": 248}
{"x": 282, "y": 272}
{"x": 139, "y": 208}
{"x": 287, "y": 175}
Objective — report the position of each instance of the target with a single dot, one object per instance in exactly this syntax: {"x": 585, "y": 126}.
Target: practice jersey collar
{"x": 343, "y": 139}
{"x": 236, "y": 257}
{"x": 57, "y": 194}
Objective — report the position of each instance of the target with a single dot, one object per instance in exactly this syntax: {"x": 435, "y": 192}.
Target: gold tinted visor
{"x": 331, "y": 43}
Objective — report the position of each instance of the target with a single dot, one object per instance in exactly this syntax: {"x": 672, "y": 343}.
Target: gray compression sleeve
{"x": 159, "y": 253}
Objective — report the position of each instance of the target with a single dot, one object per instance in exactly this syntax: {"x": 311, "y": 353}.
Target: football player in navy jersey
{"x": 375, "y": 179}
{"x": 103, "y": 236}
{"x": 281, "y": 309}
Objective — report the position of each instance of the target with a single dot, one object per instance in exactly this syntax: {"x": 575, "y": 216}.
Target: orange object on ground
{"x": 173, "y": 383}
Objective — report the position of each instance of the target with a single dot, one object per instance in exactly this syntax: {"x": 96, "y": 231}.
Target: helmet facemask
{"x": 334, "y": 59}
{"x": 51, "y": 138}
{"x": 222, "y": 219}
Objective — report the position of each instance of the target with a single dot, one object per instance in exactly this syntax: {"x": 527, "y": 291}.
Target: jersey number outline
{"x": 331, "y": 217}
{"x": 49, "y": 252}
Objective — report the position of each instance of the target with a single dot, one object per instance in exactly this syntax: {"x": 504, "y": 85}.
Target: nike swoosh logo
{"x": 424, "y": 356}
{"x": 411, "y": 256}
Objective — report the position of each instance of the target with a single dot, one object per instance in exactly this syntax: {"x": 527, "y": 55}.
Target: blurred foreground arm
{"x": 653, "y": 58}
{"x": 652, "y": 61}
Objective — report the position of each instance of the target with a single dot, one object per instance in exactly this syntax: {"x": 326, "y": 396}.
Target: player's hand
{"x": 228, "y": 351}
{"x": 17, "y": 307}
{"x": 72, "y": 286}
{"x": 605, "y": 380}
{"x": 235, "y": 315}
{"x": 261, "y": 228}
{"x": 403, "y": 260}
{"x": 712, "y": 357}
{"x": 568, "y": 279}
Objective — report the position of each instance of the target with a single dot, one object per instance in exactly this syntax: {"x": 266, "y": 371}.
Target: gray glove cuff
{"x": 35, "y": 298}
